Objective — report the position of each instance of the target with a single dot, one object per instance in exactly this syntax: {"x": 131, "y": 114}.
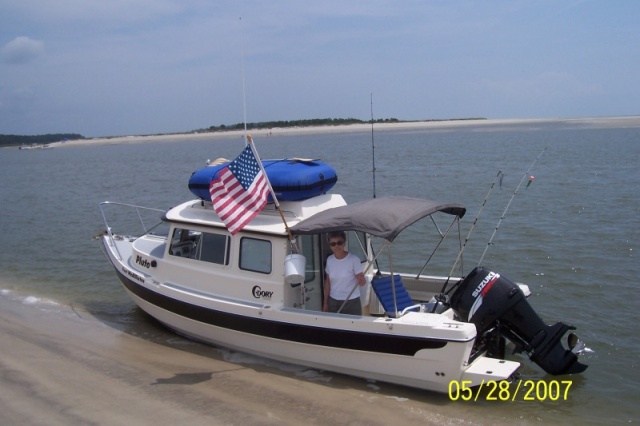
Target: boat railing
{"x": 139, "y": 213}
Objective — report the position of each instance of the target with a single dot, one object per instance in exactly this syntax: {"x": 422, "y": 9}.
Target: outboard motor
{"x": 487, "y": 299}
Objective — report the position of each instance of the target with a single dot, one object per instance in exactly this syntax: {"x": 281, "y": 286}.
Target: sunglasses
{"x": 336, "y": 243}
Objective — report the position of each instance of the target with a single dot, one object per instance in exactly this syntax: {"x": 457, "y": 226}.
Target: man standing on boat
{"x": 343, "y": 275}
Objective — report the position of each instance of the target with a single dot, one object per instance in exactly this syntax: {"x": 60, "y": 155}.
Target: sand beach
{"x": 630, "y": 121}
{"x": 69, "y": 368}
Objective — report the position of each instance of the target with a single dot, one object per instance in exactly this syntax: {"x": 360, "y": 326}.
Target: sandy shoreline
{"x": 63, "y": 366}
{"x": 630, "y": 121}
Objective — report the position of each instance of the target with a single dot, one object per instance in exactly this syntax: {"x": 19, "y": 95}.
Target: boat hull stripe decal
{"x": 345, "y": 339}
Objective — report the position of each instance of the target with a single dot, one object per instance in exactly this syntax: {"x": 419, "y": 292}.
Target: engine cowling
{"x": 487, "y": 299}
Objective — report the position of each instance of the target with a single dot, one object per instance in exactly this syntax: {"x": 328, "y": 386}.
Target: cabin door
{"x": 315, "y": 249}
{"x": 312, "y": 249}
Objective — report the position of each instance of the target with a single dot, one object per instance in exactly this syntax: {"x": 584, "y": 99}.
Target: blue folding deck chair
{"x": 382, "y": 287}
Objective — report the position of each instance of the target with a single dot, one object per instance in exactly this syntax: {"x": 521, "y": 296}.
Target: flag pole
{"x": 273, "y": 194}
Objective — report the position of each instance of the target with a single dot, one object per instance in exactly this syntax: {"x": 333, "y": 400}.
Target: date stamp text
{"x": 525, "y": 390}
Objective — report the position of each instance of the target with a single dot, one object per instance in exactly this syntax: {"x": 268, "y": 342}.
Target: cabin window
{"x": 183, "y": 242}
{"x": 214, "y": 248}
{"x": 203, "y": 246}
{"x": 255, "y": 255}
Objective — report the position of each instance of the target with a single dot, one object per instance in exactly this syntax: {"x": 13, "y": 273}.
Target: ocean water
{"x": 572, "y": 235}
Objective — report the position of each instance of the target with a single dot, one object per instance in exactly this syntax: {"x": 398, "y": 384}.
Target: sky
{"x": 132, "y": 67}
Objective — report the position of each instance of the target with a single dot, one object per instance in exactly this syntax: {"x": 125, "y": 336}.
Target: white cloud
{"x": 22, "y": 50}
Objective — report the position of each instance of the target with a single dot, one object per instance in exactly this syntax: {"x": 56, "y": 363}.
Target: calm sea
{"x": 572, "y": 235}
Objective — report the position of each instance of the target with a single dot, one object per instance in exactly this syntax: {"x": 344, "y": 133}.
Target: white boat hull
{"x": 385, "y": 349}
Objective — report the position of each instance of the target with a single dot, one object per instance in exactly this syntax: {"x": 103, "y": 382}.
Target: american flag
{"x": 240, "y": 191}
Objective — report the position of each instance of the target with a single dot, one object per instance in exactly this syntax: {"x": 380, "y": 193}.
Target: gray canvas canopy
{"x": 383, "y": 217}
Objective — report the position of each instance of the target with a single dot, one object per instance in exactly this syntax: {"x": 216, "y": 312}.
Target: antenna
{"x": 373, "y": 150}
{"x": 244, "y": 95}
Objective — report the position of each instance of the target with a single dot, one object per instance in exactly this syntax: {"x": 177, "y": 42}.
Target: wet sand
{"x": 69, "y": 368}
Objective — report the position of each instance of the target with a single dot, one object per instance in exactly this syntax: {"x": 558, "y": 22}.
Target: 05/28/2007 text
{"x": 527, "y": 390}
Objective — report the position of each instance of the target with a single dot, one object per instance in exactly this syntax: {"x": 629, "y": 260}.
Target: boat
{"x": 260, "y": 290}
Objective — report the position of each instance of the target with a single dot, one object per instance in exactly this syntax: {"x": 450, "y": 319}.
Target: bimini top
{"x": 383, "y": 217}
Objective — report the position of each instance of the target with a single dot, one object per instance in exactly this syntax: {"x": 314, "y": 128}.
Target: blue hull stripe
{"x": 322, "y": 336}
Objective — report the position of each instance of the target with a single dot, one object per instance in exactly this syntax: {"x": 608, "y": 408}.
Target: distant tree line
{"x": 299, "y": 123}
{"x": 8, "y": 140}
{"x": 11, "y": 140}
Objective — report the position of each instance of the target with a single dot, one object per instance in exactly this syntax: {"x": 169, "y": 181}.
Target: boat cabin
{"x": 200, "y": 256}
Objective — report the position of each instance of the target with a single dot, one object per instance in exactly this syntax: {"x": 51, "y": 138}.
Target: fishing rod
{"x": 475, "y": 221}
{"x": 509, "y": 204}
{"x": 373, "y": 151}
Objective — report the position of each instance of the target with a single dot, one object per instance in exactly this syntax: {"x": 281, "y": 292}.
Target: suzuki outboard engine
{"x": 492, "y": 302}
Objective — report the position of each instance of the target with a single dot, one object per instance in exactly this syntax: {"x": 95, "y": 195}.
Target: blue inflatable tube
{"x": 291, "y": 179}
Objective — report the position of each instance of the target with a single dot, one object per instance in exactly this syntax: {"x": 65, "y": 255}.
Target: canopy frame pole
{"x": 436, "y": 225}
{"x": 393, "y": 284}
{"x": 442, "y": 238}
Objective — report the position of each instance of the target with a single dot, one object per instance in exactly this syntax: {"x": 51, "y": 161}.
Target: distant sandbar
{"x": 599, "y": 122}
